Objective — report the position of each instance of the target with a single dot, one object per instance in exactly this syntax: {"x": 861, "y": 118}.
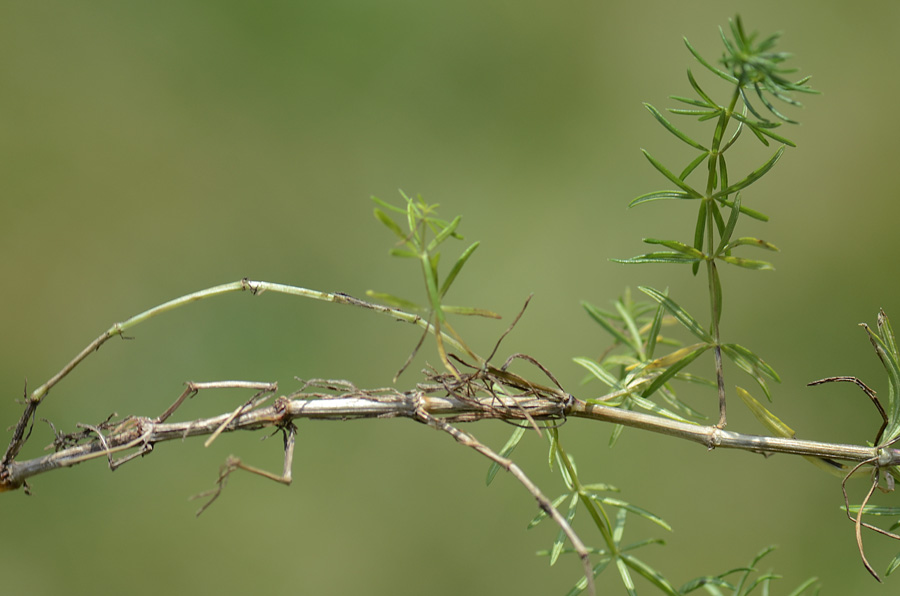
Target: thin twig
{"x": 544, "y": 503}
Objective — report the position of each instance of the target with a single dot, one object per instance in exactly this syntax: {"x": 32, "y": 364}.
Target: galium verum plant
{"x": 469, "y": 387}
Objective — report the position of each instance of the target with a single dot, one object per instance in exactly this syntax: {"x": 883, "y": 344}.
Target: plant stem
{"x": 715, "y": 291}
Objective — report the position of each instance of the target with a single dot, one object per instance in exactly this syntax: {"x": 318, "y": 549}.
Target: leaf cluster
{"x": 415, "y": 243}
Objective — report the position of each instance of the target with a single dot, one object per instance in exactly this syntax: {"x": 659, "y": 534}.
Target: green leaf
{"x": 706, "y": 98}
{"x": 627, "y": 582}
{"x": 646, "y": 404}
{"x": 506, "y": 451}
{"x": 672, "y": 177}
{"x": 403, "y": 254}
{"x": 677, "y": 246}
{"x": 392, "y": 300}
{"x": 751, "y": 177}
{"x": 716, "y": 289}
{"x": 887, "y": 333}
{"x": 653, "y": 334}
{"x": 893, "y": 565}
{"x": 601, "y": 317}
{"x": 673, "y": 369}
{"x": 699, "y": 232}
{"x": 877, "y": 510}
{"x": 429, "y": 269}
{"x": 892, "y": 367}
{"x": 599, "y": 487}
{"x": 772, "y": 422}
{"x": 470, "y": 311}
{"x": 747, "y": 263}
{"x": 445, "y": 233}
{"x": 658, "y": 257}
{"x": 761, "y": 131}
{"x": 390, "y": 223}
{"x": 634, "y": 509}
{"x": 809, "y": 583}
{"x": 582, "y": 584}
{"x": 709, "y": 66}
{"x": 652, "y": 575}
{"x": 561, "y": 536}
{"x": 542, "y": 515}
{"x": 631, "y": 326}
{"x": 692, "y": 166}
{"x": 707, "y": 581}
{"x": 749, "y": 241}
{"x": 752, "y": 365}
{"x": 702, "y": 115}
{"x": 680, "y": 407}
{"x": 671, "y": 128}
{"x": 660, "y": 195}
{"x": 457, "y": 267}
{"x": 729, "y": 227}
{"x": 747, "y": 211}
{"x": 388, "y": 206}
{"x": 598, "y": 371}
{"x": 679, "y": 313}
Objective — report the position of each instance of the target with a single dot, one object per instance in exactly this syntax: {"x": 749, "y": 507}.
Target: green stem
{"x": 715, "y": 293}
{"x": 255, "y": 287}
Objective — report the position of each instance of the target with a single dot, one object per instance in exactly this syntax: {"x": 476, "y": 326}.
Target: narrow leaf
{"x": 598, "y": 371}
{"x": 470, "y": 311}
{"x": 631, "y": 326}
{"x": 660, "y": 195}
{"x": 388, "y": 206}
{"x": 759, "y": 131}
{"x": 561, "y": 536}
{"x": 893, "y": 565}
{"x": 634, "y": 509}
{"x": 653, "y": 333}
{"x": 403, "y": 254}
{"x": 601, "y": 317}
{"x": 672, "y": 177}
{"x": 395, "y": 301}
{"x": 749, "y": 241}
{"x": 658, "y": 257}
{"x": 746, "y": 210}
{"x": 627, "y": 582}
{"x": 769, "y": 420}
{"x": 676, "y": 356}
{"x": 677, "y": 246}
{"x": 751, "y": 177}
{"x": 699, "y": 232}
{"x": 744, "y": 357}
{"x": 672, "y": 129}
{"x": 679, "y": 313}
{"x": 652, "y": 575}
{"x": 700, "y": 91}
{"x": 390, "y": 223}
{"x": 542, "y": 515}
{"x": 732, "y": 222}
{"x": 709, "y": 66}
{"x": 457, "y": 267}
{"x": 748, "y": 263}
{"x": 693, "y": 165}
{"x": 506, "y": 451}
{"x": 445, "y": 233}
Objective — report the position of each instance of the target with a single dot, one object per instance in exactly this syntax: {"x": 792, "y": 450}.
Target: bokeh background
{"x": 153, "y": 149}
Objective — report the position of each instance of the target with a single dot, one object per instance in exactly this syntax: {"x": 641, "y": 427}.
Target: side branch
{"x": 21, "y": 430}
{"x": 141, "y": 433}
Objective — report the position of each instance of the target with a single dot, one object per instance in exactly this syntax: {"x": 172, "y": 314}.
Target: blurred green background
{"x": 150, "y": 149}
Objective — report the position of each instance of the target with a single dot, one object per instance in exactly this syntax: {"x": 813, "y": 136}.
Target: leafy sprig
{"x": 755, "y": 70}
{"x": 421, "y": 218}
